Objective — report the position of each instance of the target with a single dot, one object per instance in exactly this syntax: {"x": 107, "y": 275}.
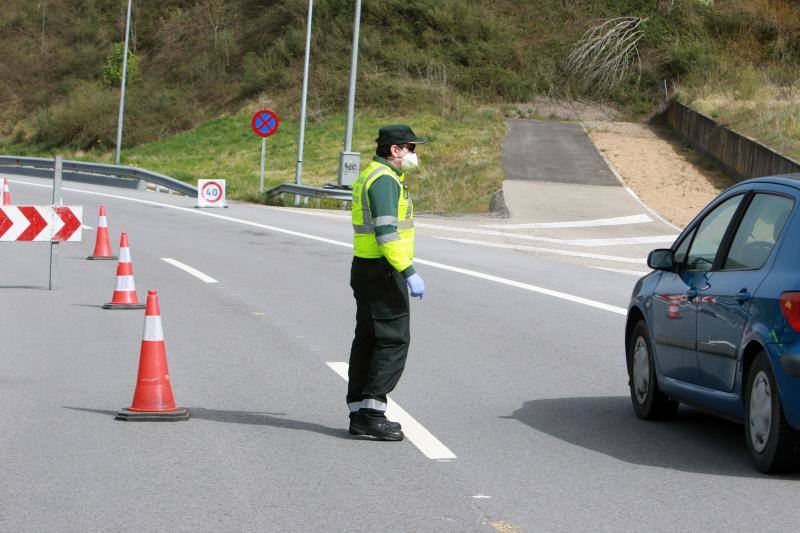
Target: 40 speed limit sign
{"x": 211, "y": 193}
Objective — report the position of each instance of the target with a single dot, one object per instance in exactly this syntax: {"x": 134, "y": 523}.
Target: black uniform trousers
{"x": 382, "y": 336}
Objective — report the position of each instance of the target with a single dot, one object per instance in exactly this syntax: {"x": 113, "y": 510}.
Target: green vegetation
{"x": 444, "y": 66}
{"x": 751, "y": 83}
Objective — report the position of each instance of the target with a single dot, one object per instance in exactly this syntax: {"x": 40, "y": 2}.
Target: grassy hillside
{"x": 430, "y": 61}
{"x": 459, "y": 167}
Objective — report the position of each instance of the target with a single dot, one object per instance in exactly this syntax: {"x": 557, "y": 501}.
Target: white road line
{"x": 186, "y": 268}
{"x": 617, "y": 221}
{"x": 503, "y": 281}
{"x": 619, "y": 241}
{"x": 527, "y": 287}
{"x": 87, "y": 227}
{"x": 637, "y": 273}
{"x": 554, "y": 251}
{"x": 416, "y": 433}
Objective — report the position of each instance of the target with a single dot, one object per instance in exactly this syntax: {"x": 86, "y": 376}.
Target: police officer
{"x": 383, "y": 249}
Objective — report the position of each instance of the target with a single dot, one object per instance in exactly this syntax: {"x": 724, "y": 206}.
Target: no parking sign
{"x": 264, "y": 123}
{"x": 211, "y": 193}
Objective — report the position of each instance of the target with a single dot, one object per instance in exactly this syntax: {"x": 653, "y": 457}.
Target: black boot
{"x": 390, "y": 423}
{"x": 375, "y": 426}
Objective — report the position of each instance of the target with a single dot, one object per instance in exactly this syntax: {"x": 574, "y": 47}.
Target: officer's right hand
{"x": 416, "y": 285}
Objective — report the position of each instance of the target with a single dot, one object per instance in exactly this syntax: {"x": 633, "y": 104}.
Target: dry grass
{"x": 762, "y": 110}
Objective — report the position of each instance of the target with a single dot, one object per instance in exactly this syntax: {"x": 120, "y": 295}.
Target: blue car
{"x": 716, "y": 324}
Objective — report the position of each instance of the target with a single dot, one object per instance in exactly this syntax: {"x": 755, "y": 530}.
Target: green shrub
{"x": 112, "y": 71}
{"x": 686, "y": 58}
{"x": 86, "y": 118}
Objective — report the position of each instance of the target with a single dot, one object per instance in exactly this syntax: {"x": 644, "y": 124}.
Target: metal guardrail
{"x": 329, "y": 191}
{"x": 97, "y": 173}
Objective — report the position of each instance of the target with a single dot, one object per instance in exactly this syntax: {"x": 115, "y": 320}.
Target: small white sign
{"x": 211, "y": 193}
{"x": 349, "y": 167}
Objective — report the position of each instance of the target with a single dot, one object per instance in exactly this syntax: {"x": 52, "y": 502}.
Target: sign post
{"x": 264, "y": 123}
{"x": 59, "y": 165}
{"x": 349, "y": 161}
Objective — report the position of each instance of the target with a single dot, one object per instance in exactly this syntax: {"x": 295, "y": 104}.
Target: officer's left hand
{"x": 416, "y": 285}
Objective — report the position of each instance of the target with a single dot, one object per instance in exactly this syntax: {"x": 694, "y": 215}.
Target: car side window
{"x": 758, "y": 231}
{"x": 682, "y": 249}
{"x": 710, "y": 233}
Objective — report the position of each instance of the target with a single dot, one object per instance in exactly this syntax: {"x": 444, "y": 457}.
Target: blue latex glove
{"x": 416, "y": 285}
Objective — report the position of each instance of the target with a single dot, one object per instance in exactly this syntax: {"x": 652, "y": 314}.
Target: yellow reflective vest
{"x": 396, "y": 239}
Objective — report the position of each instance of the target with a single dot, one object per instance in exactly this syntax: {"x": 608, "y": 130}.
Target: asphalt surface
{"x": 554, "y": 152}
{"x": 526, "y": 387}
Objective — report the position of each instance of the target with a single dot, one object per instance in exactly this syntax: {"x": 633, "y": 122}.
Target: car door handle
{"x": 692, "y": 293}
{"x": 742, "y": 296}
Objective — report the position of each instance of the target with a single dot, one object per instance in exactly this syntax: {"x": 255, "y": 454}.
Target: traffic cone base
{"x": 126, "y": 415}
{"x": 102, "y": 258}
{"x": 112, "y": 305}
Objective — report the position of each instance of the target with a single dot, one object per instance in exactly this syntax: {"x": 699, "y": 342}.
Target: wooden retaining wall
{"x": 740, "y": 156}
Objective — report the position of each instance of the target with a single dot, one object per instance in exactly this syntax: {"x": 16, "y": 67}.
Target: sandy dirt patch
{"x": 664, "y": 172}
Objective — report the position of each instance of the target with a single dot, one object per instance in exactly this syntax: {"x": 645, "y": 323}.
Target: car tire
{"x": 649, "y": 402}
{"x": 770, "y": 439}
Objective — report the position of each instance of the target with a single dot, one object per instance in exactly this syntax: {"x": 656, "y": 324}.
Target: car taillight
{"x": 790, "y": 305}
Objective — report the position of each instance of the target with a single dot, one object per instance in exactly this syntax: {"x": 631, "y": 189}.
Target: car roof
{"x": 790, "y": 180}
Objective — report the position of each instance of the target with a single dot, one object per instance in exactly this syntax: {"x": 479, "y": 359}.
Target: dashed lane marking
{"x": 423, "y": 439}
{"x": 193, "y": 271}
{"x": 442, "y": 266}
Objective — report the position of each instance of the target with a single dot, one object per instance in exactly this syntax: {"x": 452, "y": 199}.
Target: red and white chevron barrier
{"x": 40, "y": 223}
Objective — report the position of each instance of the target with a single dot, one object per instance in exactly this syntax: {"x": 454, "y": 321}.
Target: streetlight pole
{"x": 350, "y": 162}
{"x": 351, "y": 100}
{"x": 122, "y": 90}
{"x": 299, "y": 174}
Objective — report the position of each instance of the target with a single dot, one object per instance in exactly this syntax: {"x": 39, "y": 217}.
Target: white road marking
{"x": 496, "y": 279}
{"x": 637, "y": 273}
{"x": 620, "y": 241}
{"x": 87, "y": 227}
{"x": 554, "y": 251}
{"x": 527, "y": 287}
{"x": 482, "y": 497}
{"x": 186, "y": 268}
{"x": 617, "y": 221}
{"x": 416, "y": 433}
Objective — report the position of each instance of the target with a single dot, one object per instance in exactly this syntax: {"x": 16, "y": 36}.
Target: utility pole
{"x": 298, "y": 178}
{"x": 350, "y": 162}
{"x": 122, "y": 90}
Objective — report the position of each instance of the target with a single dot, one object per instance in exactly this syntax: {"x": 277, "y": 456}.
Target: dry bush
{"x": 607, "y": 55}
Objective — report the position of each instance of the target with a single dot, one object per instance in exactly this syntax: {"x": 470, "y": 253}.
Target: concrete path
{"x": 564, "y": 199}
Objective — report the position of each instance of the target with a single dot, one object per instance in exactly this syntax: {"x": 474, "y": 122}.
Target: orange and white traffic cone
{"x": 6, "y": 193}
{"x": 153, "y": 399}
{"x": 102, "y": 247}
{"x": 125, "y": 291}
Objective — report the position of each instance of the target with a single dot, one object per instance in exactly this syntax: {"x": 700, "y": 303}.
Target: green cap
{"x": 398, "y": 134}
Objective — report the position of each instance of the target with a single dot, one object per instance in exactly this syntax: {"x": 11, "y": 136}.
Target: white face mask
{"x": 410, "y": 160}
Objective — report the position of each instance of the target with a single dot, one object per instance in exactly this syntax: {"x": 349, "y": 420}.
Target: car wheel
{"x": 648, "y": 401}
{"x": 770, "y": 439}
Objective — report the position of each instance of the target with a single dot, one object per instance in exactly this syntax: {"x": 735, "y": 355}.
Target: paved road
{"x": 527, "y": 388}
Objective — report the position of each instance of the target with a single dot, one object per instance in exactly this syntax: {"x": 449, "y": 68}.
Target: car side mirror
{"x": 661, "y": 259}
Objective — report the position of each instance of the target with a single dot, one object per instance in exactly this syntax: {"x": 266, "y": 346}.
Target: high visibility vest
{"x": 365, "y": 244}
